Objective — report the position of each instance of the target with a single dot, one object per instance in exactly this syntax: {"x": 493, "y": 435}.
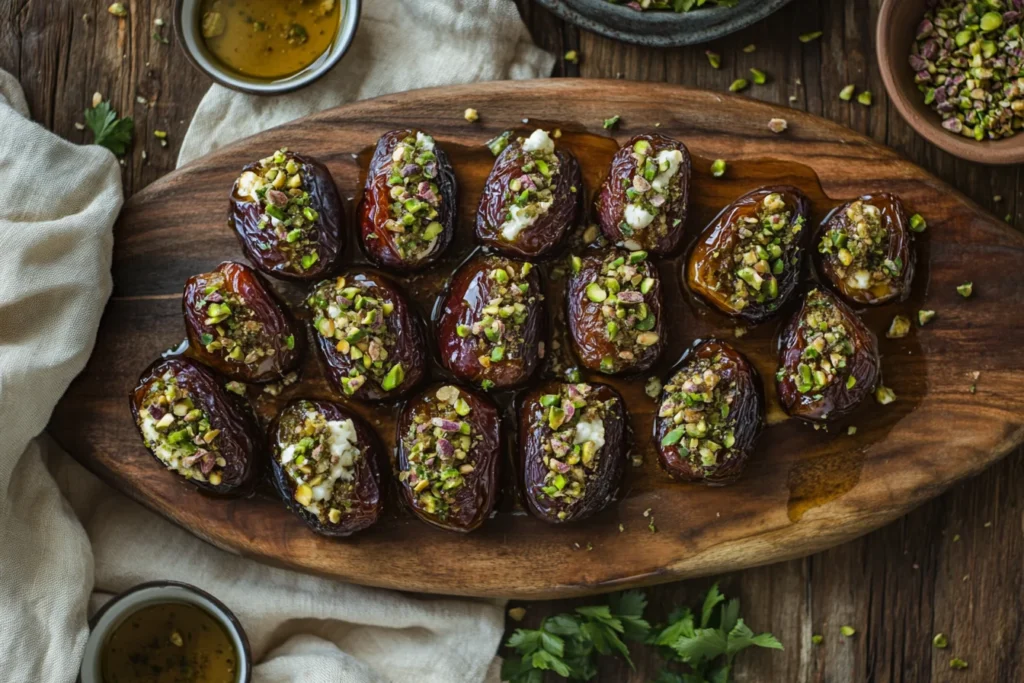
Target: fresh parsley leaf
{"x": 109, "y": 131}
{"x": 710, "y": 602}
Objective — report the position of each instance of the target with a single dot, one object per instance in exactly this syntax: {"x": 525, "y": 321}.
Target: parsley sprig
{"x": 109, "y": 131}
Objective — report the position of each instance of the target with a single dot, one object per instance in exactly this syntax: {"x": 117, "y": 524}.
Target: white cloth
{"x": 61, "y": 556}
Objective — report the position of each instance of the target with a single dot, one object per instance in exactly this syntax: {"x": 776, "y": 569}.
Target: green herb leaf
{"x": 109, "y": 131}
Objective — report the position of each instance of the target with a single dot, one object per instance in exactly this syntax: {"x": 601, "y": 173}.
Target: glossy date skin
{"x": 899, "y": 246}
{"x": 404, "y": 326}
{"x": 278, "y": 329}
{"x": 601, "y": 486}
{"x": 837, "y": 399}
{"x": 468, "y": 293}
{"x": 368, "y": 502}
{"x": 746, "y": 413}
{"x": 548, "y": 232}
{"x": 612, "y": 199}
{"x": 240, "y": 441}
{"x": 244, "y": 216}
{"x": 709, "y": 259}
{"x": 474, "y": 501}
{"x": 588, "y": 326}
{"x": 378, "y": 242}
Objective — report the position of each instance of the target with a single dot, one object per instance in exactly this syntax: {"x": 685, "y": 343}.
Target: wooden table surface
{"x": 955, "y": 565}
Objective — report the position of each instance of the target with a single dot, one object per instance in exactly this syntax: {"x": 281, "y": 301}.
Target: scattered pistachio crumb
{"x": 738, "y": 85}
{"x": 235, "y": 388}
{"x": 612, "y": 123}
{"x": 118, "y": 9}
{"x": 158, "y": 22}
{"x": 918, "y": 223}
{"x": 865, "y": 98}
{"x": 997, "y": 198}
{"x": 846, "y": 94}
{"x": 79, "y": 125}
{"x": 161, "y": 134}
{"x": 653, "y": 387}
{"x": 940, "y": 641}
{"x": 718, "y": 168}
{"x": 651, "y": 526}
{"x": 848, "y": 631}
{"x": 97, "y": 99}
{"x": 793, "y": 98}
{"x": 1008, "y": 218}
{"x": 778, "y": 125}
{"x": 965, "y": 290}
{"x": 884, "y": 395}
{"x": 759, "y": 76}
{"x": 925, "y": 317}
{"x": 572, "y": 56}
{"x": 817, "y": 639}
{"x": 956, "y": 537}
{"x": 750, "y": 48}
{"x": 622, "y": 528}
{"x": 740, "y": 332}
{"x": 809, "y": 37}
{"x": 647, "y": 512}
{"x": 590, "y": 546}
{"x": 957, "y": 663}
{"x": 851, "y": 430}
{"x": 471, "y": 114}
{"x": 714, "y": 59}
{"x": 556, "y": 133}
{"x": 899, "y": 327}
{"x": 987, "y": 524}
{"x": 517, "y": 613}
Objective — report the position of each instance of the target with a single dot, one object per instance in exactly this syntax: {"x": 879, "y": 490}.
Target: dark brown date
{"x": 645, "y": 199}
{"x": 325, "y": 466}
{"x": 490, "y": 325}
{"x": 613, "y": 305}
{"x": 528, "y": 207}
{"x": 193, "y": 426}
{"x": 449, "y": 450}
{"x": 864, "y": 250}
{"x": 372, "y": 343}
{"x": 407, "y": 213}
{"x": 572, "y": 449}
{"x": 828, "y": 360}
{"x": 747, "y": 262}
{"x": 290, "y": 229}
{"x": 239, "y": 327}
{"x": 709, "y": 415}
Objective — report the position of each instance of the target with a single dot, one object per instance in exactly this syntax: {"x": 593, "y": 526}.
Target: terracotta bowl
{"x": 897, "y": 23}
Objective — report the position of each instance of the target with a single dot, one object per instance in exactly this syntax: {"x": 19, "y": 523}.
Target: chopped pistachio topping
{"x": 918, "y": 223}
{"x": 828, "y": 347}
{"x": 178, "y": 432}
{"x": 357, "y": 325}
{"x": 278, "y": 187}
{"x": 846, "y": 94}
{"x": 714, "y": 59}
{"x": 848, "y": 631}
{"x": 865, "y": 98}
{"x": 320, "y": 457}
{"x": 957, "y": 663}
{"x": 884, "y": 395}
{"x": 758, "y": 76}
{"x": 611, "y": 123}
{"x": 809, "y": 37}
{"x": 718, "y": 168}
{"x": 817, "y": 639}
{"x": 624, "y": 289}
{"x": 415, "y": 197}
{"x": 697, "y": 404}
{"x": 925, "y": 317}
{"x": 858, "y": 248}
{"x": 439, "y": 444}
{"x": 738, "y": 85}
{"x": 499, "y": 326}
{"x": 651, "y": 188}
{"x": 471, "y": 115}
{"x": 777, "y": 125}
{"x": 899, "y": 328}
{"x": 235, "y": 333}
{"x": 965, "y": 290}
{"x": 940, "y": 641}
{"x": 530, "y": 193}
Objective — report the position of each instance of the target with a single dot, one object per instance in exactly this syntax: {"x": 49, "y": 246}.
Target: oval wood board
{"x": 803, "y": 491}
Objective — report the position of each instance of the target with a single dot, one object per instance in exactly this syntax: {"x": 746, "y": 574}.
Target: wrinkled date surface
{"x": 644, "y": 201}
{"x": 236, "y": 325}
{"x": 572, "y": 449}
{"x": 288, "y": 216}
{"x": 613, "y": 304}
{"x": 407, "y": 213}
{"x": 864, "y": 249}
{"x": 747, "y": 262}
{"x": 197, "y": 429}
{"x": 709, "y": 415}
{"x": 449, "y": 449}
{"x": 371, "y": 342}
{"x": 325, "y": 466}
{"x": 532, "y": 198}
{"x": 828, "y": 360}
{"x": 491, "y": 322}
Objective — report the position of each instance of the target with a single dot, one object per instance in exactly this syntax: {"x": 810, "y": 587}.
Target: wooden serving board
{"x": 803, "y": 490}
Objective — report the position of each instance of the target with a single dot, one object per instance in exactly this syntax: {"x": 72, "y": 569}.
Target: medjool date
{"x": 372, "y": 343}
{"x": 407, "y": 213}
{"x": 449, "y": 448}
{"x": 325, "y": 466}
{"x": 644, "y": 201}
{"x": 491, "y": 322}
{"x": 238, "y": 326}
{"x": 195, "y": 428}
{"x": 572, "y": 449}
{"x": 531, "y": 199}
{"x": 288, "y": 217}
{"x": 828, "y": 360}
{"x": 710, "y": 413}
{"x": 747, "y": 262}
{"x": 864, "y": 250}
{"x": 613, "y": 303}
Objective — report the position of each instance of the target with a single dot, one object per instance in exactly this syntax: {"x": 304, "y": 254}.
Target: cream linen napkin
{"x": 55, "y": 244}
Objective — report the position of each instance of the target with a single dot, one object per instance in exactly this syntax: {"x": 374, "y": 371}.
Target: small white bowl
{"x": 113, "y": 614}
{"x": 187, "y": 27}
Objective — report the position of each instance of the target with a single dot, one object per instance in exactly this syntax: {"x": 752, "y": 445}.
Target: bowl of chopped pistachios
{"x": 663, "y": 23}
{"x": 952, "y": 68}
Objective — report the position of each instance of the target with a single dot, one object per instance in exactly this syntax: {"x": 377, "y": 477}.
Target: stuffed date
{"x": 572, "y": 449}
{"x": 644, "y": 201}
{"x": 195, "y": 428}
{"x": 237, "y": 326}
{"x": 491, "y": 322}
{"x": 325, "y": 466}
{"x": 613, "y": 302}
{"x": 710, "y": 412}
{"x": 449, "y": 447}
{"x": 407, "y": 213}
{"x": 371, "y": 342}
{"x": 288, "y": 217}
{"x": 532, "y": 198}
{"x": 865, "y": 251}
{"x": 828, "y": 360}
{"x": 747, "y": 262}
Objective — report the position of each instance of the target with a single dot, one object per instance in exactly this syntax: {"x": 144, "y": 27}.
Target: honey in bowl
{"x": 169, "y": 643}
{"x": 269, "y": 40}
